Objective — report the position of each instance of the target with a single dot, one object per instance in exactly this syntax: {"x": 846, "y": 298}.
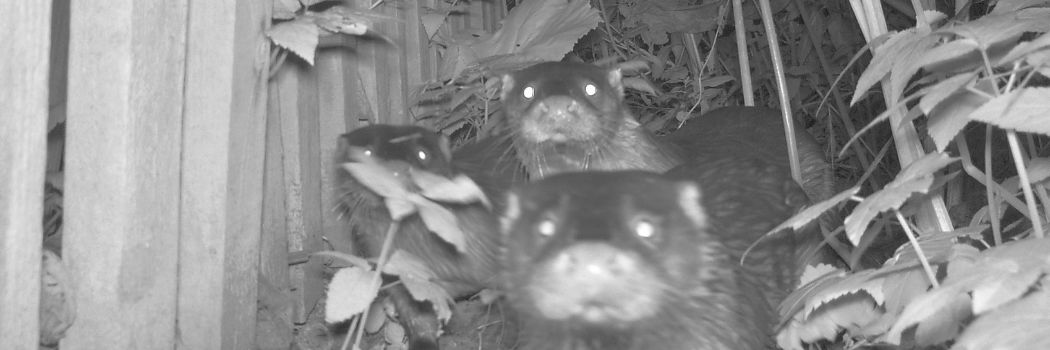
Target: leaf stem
{"x": 918, "y": 250}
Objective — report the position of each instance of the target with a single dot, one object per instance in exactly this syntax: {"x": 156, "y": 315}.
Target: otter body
{"x": 571, "y": 116}
{"x": 636, "y": 260}
{"x": 403, "y": 149}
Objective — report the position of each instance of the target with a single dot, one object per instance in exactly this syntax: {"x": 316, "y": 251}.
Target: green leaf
{"x": 460, "y": 189}
{"x": 949, "y": 116}
{"x": 1038, "y": 169}
{"x": 994, "y": 293}
{"x": 377, "y": 178}
{"x": 424, "y": 290}
{"x": 376, "y": 317}
{"x": 1022, "y": 110}
{"x": 941, "y": 301}
{"x": 1020, "y": 325}
{"x": 536, "y": 30}
{"x": 298, "y": 36}
{"x": 350, "y": 291}
{"x": 917, "y": 177}
{"x": 814, "y": 211}
{"x": 441, "y": 221}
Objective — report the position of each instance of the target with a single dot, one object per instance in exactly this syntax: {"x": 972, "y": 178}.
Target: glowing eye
{"x": 644, "y": 228}
{"x": 590, "y": 89}
{"x": 529, "y": 92}
{"x": 546, "y": 227}
{"x": 367, "y": 153}
{"x": 422, "y": 155}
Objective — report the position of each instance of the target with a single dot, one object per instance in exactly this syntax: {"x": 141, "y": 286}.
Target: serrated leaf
{"x": 1038, "y": 169}
{"x": 1024, "y": 110}
{"x": 1026, "y": 322}
{"x": 945, "y": 325}
{"x": 815, "y": 211}
{"x": 949, "y": 116}
{"x": 925, "y": 306}
{"x": 851, "y": 284}
{"x": 440, "y": 221}
{"x": 285, "y": 9}
{"x": 947, "y": 87}
{"x": 903, "y": 287}
{"x": 994, "y": 293}
{"x": 460, "y": 189}
{"x": 1006, "y": 27}
{"x": 897, "y": 57}
{"x": 298, "y": 36}
{"x": 1008, "y": 6}
{"x": 1023, "y": 49}
{"x": 915, "y": 178}
{"x": 537, "y": 30}
{"x": 424, "y": 290}
{"x": 847, "y": 312}
{"x": 654, "y": 19}
{"x": 350, "y": 291}
{"x": 812, "y": 273}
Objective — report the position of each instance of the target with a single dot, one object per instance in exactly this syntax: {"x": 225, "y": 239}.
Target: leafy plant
{"x": 939, "y": 289}
{"x": 353, "y": 289}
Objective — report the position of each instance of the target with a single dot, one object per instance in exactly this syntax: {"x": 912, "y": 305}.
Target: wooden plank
{"x": 276, "y": 315}
{"x": 224, "y": 139}
{"x": 368, "y": 74}
{"x": 304, "y": 133}
{"x": 23, "y": 146}
{"x": 286, "y": 87}
{"x": 123, "y": 171}
{"x": 415, "y": 44}
{"x": 299, "y": 108}
{"x": 332, "y": 66}
{"x": 393, "y": 62}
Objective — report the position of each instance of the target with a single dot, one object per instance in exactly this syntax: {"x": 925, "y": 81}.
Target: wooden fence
{"x": 193, "y": 178}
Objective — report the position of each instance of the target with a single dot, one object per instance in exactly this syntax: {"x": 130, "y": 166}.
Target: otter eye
{"x": 528, "y": 92}
{"x": 422, "y": 155}
{"x": 590, "y": 89}
{"x": 644, "y": 228}
{"x": 546, "y": 227}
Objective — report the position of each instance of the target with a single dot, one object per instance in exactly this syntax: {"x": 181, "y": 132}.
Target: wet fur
{"x": 460, "y": 273}
{"x": 709, "y": 302}
{"x": 621, "y": 143}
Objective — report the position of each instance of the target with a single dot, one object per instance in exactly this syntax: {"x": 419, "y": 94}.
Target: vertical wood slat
{"x": 23, "y": 146}
{"x": 122, "y": 175}
{"x": 332, "y": 66}
{"x": 224, "y": 143}
{"x": 275, "y": 330}
{"x": 284, "y": 88}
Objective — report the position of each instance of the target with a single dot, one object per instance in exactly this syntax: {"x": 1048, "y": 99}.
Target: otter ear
{"x": 689, "y": 201}
{"x": 511, "y": 212}
{"x": 615, "y": 77}
{"x": 508, "y": 84}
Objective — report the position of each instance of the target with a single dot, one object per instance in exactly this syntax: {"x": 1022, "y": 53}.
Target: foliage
{"x": 940, "y": 289}
{"x": 353, "y": 290}
{"x": 534, "y": 31}
{"x": 299, "y": 28}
